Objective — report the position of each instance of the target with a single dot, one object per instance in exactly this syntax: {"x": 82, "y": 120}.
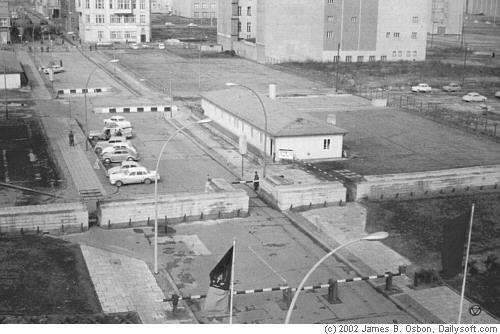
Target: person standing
{"x": 71, "y": 138}
{"x": 256, "y": 181}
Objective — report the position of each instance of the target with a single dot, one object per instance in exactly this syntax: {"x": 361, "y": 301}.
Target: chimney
{"x": 272, "y": 91}
{"x": 331, "y": 119}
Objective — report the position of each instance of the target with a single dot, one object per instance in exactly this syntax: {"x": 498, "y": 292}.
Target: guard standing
{"x": 256, "y": 181}
{"x": 71, "y": 138}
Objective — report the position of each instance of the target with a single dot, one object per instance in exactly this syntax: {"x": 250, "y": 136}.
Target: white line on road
{"x": 267, "y": 264}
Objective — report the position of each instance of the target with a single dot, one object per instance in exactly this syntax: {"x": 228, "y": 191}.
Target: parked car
{"x": 169, "y": 24}
{"x": 119, "y": 120}
{"x": 474, "y": 97}
{"x": 99, "y": 146}
{"x": 421, "y": 87}
{"x": 134, "y": 46}
{"x": 146, "y": 46}
{"x": 125, "y": 165}
{"x": 106, "y": 132}
{"x": 161, "y": 46}
{"x": 118, "y": 146}
{"x": 452, "y": 87}
{"x": 56, "y": 68}
{"x": 133, "y": 175}
{"x": 119, "y": 156}
{"x": 192, "y": 25}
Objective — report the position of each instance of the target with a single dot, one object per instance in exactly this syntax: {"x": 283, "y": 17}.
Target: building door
{"x": 441, "y": 30}
{"x": 143, "y": 38}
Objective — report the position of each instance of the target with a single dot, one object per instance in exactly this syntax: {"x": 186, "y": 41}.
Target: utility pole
{"x": 465, "y": 64}
{"x": 5, "y": 87}
{"x": 337, "y": 69}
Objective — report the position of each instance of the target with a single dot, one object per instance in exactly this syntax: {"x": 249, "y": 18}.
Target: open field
{"x": 416, "y": 229}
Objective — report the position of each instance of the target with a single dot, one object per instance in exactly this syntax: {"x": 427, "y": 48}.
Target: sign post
{"x": 243, "y": 150}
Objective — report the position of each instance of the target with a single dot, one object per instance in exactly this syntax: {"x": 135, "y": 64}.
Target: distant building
{"x": 4, "y": 22}
{"x": 49, "y": 8}
{"x": 196, "y": 9}
{"x": 447, "y": 17}
{"x": 287, "y": 137}
{"x": 161, "y": 6}
{"x": 489, "y": 8}
{"x": 114, "y": 20}
{"x": 11, "y": 72}
{"x": 320, "y": 30}
{"x": 69, "y": 16}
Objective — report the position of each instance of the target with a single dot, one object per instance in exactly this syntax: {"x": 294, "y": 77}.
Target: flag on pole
{"x": 220, "y": 281}
{"x": 452, "y": 251}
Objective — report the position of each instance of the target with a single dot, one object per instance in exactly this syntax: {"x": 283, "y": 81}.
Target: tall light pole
{"x": 85, "y": 92}
{"x": 369, "y": 237}
{"x": 203, "y": 121}
{"x": 466, "y": 264}
{"x": 230, "y": 84}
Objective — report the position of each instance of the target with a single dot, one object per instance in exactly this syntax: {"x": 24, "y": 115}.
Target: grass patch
{"x": 42, "y": 275}
{"x": 416, "y": 232}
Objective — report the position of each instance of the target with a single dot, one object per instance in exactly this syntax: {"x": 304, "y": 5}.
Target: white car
{"x": 125, "y": 165}
{"x": 119, "y": 120}
{"x": 192, "y": 25}
{"x": 134, "y": 175}
{"x": 421, "y": 87}
{"x": 134, "y": 46}
{"x": 474, "y": 97}
{"x": 119, "y": 146}
{"x": 169, "y": 24}
{"x": 161, "y": 46}
{"x": 55, "y": 69}
{"x": 99, "y": 146}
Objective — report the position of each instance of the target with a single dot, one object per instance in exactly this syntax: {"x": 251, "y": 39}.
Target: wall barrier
{"x": 457, "y": 181}
{"x": 58, "y": 218}
{"x": 134, "y": 109}
{"x": 220, "y": 200}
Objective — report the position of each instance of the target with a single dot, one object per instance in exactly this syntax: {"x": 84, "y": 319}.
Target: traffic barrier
{"x": 134, "y": 109}
{"x": 330, "y": 283}
{"x": 83, "y": 90}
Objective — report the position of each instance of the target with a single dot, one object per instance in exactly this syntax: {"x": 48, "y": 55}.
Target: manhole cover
{"x": 116, "y": 262}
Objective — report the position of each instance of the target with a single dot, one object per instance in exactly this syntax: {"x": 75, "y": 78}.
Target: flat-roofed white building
{"x": 196, "y": 9}
{"x": 114, "y": 20}
{"x": 447, "y": 17}
{"x": 238, "y": 111}
{"x": 324, "y": 30}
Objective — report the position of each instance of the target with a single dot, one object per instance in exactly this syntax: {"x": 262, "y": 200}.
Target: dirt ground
{"x": 416, "y": 230}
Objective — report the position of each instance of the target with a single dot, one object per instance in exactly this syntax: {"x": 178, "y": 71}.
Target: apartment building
{"x": 196, "y": 9}
{"x": 114, "y": 20}
{"x": 447, "y": 17}
{"x": 324, "y": 30}
{"x": 4, "y": 22}
{"x": 161, "y": 6}
{"x": 489, "y": 8}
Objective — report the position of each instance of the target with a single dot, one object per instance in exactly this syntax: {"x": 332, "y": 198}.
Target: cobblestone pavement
{"x": 125, "y": 284}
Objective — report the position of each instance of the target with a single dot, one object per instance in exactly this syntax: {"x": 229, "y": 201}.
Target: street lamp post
{"x": 85, "y": 105}
{"x": 369, "y": 237}
{"x": 230, "y": 84}
{"x": 203, "y": 121}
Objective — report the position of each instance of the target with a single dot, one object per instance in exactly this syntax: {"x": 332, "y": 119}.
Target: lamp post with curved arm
{"x": 85, "y": 92}
{"x": 203, "y": 121}
{"x": 369, "y": 237}
{"x": 230, "y": 84}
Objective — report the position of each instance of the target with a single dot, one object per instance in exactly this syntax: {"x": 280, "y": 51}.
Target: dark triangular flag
{"x": 452, "y": 252}
{"x": 216, "y": 302}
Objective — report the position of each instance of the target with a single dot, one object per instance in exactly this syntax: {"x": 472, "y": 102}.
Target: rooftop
{"x": 12, "y": 64}
{"x": 282, "y": 118}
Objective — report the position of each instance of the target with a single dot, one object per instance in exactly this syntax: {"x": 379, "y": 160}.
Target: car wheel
{"x": 147, "y": 181}
{"x": 130, "y": 159}
{"x": 118, "y": 183}
{"x": 95, "y": 138}
{"x": 107, "y": 161}
{"x": 98, "y": 150}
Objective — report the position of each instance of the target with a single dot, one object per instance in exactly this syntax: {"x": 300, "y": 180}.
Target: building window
{"x": 326, "y": 144}
{"x": 387, "y": 35}
{"x": 360, "y": 59}
{"x": 336, "y": 59}
{"x": 400, "y": 53}
{"x": 4, "y": 22}
{"x": 239, "y": 10}
{"x": 414, "y": 19}
{"x": 394, "y": 53}
{"x": 413, "y": 35}
{"x": 239, "y": 26}
{"x": 129, "y": 19}
{"x": 87, "y": 18}
{"x": 371, "y": 59}
{"x": 142, "y": 19}
{"x": 396, "y": 35}
{"x": 331, "y": 2}
{"x": 99, "y": 19}
{"x": 414, "y": 53}
{"x": 116, "y": 35}
{"x": 142, "y": 4}
{"x": 99, "y": 4}
{"x": 133, "y": 4}
{"x": 196, "y": 6}
{"x": 348, "y": 59}
{"x": 87, "y": 3}
{"x": 329, "y": 34}
{"x": 110, "y": 4}
{"x": 383, "y": 58}
{"x": 249, "y": 27}
{"x": 408, "y": 53}
{"x": 330, "y": 19}
{"x": 100, "y": 35}
{"x": 114, "y": 19}
{"x": 123, "y": 4}
{"x": 354, "y": 19}
{"x": 249, "y": 11}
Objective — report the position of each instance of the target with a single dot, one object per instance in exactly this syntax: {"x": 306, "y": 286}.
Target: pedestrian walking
{"x": 256, "y": 181}
{"x": 71, "y": 138}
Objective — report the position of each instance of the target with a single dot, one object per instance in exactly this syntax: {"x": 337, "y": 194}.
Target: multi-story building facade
{"x": 197, "y": 9}
{"x": 49, "y": 8}
{"x": 161, "y": 6}
{"x": 114, "y": 20}
{"x": 69, "y": 16}
{"x": 324, "y": 30}
{"x": 447, "y": 17}
{"x": 4, "y": 22}
{"x": 489, "y": 8}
